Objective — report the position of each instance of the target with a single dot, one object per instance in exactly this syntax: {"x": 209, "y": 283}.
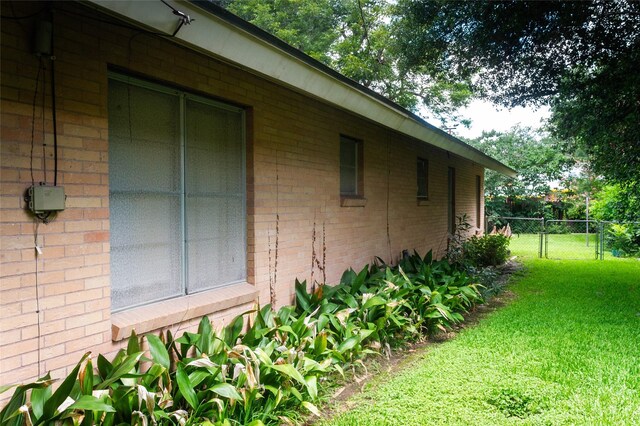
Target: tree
{"x": 614, "y": 203}
{"x": 311, "y": 26}
{"x": 536, "y": 157}
{"x": 599, "y": 112}
{"x": 581, "y": 57}
{"x": 356, "y": 38}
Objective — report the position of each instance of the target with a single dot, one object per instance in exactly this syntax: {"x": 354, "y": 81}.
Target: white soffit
{"x": 214, "y": 35}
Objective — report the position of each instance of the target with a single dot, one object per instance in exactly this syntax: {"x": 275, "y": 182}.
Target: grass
{"x": 565, "y": 351}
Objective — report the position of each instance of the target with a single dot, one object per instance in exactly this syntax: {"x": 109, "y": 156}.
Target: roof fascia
{"x": 217, "y": 32}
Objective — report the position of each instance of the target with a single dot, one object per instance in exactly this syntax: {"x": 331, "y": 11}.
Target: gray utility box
{"x": 44, "y": 198}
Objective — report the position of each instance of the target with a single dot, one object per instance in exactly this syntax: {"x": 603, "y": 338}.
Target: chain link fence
{"x": 569, "y": 239}
{"x": 525, "y": 233}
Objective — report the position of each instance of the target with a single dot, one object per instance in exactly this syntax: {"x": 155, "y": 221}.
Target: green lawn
{"x": 565, "y": 351}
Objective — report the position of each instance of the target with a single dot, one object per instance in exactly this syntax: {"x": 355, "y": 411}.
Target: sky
{"x": 485, "y": 116}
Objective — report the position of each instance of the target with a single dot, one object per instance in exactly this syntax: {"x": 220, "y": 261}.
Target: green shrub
{"x": 623, "y": 240}
{"x": 488, "y": 278}
{"x": 487, "y": 250}
{"x": 265, "y": 365}
{"x": 617, "y": 203}
{"x": 557, "y": 228}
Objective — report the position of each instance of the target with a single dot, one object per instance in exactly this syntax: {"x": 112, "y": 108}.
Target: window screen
{"x": 478, "y": 201}
{"x": 422, "y": 173}
{"x": 177, "y": 203}
{"x": 349, "y": 153}
{"x": 451, "y": 194}
{"x": 214, "y": 196}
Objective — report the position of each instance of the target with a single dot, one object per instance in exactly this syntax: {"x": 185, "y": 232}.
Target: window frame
{"x": 451, "y": 200}
{"x": 184, "y": 97}
{"x": 425, "y": 176}
{"x": 479, "y": 196}
{"x": 358, "y": 180}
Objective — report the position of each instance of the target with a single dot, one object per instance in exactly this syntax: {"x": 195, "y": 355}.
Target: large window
{"x": 351, "y": 184}
{"x": 177, "y": 193}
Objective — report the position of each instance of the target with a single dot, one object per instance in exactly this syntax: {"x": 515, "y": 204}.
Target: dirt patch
{"x": 403, "y": 358}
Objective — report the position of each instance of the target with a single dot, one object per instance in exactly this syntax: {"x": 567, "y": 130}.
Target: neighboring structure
{"x": 203, "y": 173}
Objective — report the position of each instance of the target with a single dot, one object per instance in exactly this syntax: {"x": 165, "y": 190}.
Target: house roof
{"x": 217, "y": 32}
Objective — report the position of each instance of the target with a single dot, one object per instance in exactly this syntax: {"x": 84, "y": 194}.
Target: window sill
{"x": 173, "y": 311}
{"x": 352, "y": 201}
{"x": 423, "y": 201}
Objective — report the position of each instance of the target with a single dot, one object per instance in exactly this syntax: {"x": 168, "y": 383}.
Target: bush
{"x": 557, "y": 228}
{"x": 488, "y": 250}
{"x": 489, "y": 279}
{"x": 623, "y": 240}
{"x": 617, "y": 203}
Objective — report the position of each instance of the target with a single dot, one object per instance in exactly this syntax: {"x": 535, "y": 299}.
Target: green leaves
{"x": 226, "y": 390}
{"x": 91, "y": 403}
{"x": 534, "y": 154}
{"x": 374, "y": 301}
{"x": 158, "y": 351}
{"x": 303, "y": 299}
{"x": 60, "y": 395}
{"x": 232, "y": 332}
{"x": 290, "y": 371}
{"x": 254, "y": 377}
{"x": 125, "y": 367}
{"x": 185, "y": 386}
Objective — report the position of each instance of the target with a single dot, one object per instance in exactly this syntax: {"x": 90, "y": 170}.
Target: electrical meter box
{"x": 44, "y": 198}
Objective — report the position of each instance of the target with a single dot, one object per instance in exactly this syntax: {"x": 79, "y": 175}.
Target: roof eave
{"x": 217, "y": 32}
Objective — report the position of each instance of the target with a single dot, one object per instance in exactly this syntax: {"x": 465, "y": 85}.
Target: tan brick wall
{"x": 293, "y": 171}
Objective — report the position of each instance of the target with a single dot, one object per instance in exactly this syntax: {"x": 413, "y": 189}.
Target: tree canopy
{"x": 356, "y": 37}
{"x": 533, "y": 154}
{"x": 582, "y": 58}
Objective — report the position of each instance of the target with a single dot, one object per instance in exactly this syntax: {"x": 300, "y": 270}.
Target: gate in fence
{"x": 571, "y": 239}
{"x": 568, "y": 239}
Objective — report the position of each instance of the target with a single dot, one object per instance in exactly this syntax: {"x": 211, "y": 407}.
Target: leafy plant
{"x": 623, "y": 240}
{"x": 487, "y": 250}
{"x": 557, "y": 228}
{"x": 264, "y": 366}
{"x": 455, "y": 249}
{"x": 487, "y": 277}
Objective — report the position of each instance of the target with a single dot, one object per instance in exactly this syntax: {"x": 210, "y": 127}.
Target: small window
{"x": 422, "y": 173}
{"x": 478, "y": 201}
{"x": 451, "y": 190}
{"x": 350, "y": 167}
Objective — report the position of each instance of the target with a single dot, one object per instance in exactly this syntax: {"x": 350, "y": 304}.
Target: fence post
{"x": 597, "y": 244}
{"x": 541, "y": 237}
{"x": 546, "y": 245}
{"x": 602, "y": 224}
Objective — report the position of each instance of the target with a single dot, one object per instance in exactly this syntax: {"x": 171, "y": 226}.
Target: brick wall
{"x": 292, "y": 171}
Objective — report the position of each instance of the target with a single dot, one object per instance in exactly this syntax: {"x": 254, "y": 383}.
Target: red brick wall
{"x": 293, "y": 170}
